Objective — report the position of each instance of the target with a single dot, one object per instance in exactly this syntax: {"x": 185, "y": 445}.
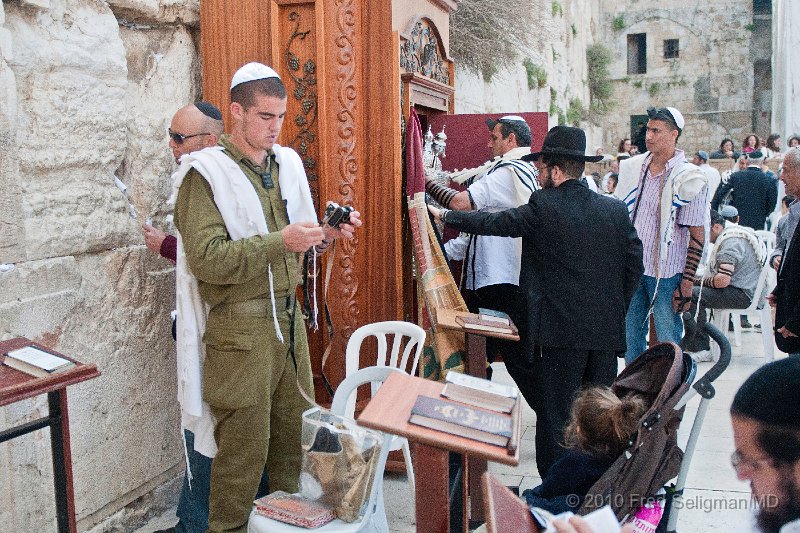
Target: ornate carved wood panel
{"x": 233, "y": 33}
{"x": 427, "y": 71}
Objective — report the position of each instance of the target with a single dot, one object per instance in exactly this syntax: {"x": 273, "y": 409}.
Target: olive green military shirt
{"x": 230, "y": 271}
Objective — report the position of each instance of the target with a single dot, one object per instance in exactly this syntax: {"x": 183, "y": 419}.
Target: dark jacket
{"x": 569, "y": 479}
{"x": 787, "y": 292}
{"x": 753, "y": 194}
{"x": 581, "y": 262}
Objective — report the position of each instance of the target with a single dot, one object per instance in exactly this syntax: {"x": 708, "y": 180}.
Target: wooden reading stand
{"x": 389, "y": 411}
{"x": 16, "y": 386}
{"x": 474, "y": 365}
{"x": 505, "y": 511}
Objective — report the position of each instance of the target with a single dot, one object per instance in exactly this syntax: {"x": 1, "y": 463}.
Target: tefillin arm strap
{"x": 693, "y": 256}
{"x": 442, "y": 195}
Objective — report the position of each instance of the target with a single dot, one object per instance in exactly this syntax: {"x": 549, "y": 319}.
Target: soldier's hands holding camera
{"x": 339, "y": 221}
{"x": 301, "y": 236}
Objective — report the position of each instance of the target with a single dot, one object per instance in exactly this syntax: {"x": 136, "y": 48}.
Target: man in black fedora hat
{"x": 571, "y": 327}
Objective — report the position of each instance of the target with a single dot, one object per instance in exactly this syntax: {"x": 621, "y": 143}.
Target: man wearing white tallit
{"x": 244, "y": 214}
{"x": 492, "y": 264}
{"x": 667, "y": 201}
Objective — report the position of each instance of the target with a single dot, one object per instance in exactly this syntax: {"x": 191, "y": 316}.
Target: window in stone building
{"x": 671, "y": 48}
{"x": 637, "y": 53}
{"x": 762, "y": 7}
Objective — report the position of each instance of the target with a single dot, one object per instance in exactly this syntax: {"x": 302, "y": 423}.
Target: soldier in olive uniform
{"x": 248, "y": 279}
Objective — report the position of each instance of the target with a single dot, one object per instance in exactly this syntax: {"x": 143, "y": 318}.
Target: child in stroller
{"x": 600, "y": 425}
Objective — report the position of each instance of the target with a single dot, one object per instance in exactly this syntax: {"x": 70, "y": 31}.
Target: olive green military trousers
{"x": 250, "y": 383}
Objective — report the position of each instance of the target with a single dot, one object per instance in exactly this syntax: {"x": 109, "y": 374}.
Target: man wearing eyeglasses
{"x": 666, "y": 198}
{"x": 244, "y": 215}
{"x": 766, "y": 432}
{"x": 193, "y": 127}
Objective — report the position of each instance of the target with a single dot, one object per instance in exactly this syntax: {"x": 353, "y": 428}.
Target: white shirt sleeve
{"x": 456, "y": 249}
{"x": 495, "y": 191}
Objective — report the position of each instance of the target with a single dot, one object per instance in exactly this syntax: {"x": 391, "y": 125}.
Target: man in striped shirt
{"x": 667, "y": 200}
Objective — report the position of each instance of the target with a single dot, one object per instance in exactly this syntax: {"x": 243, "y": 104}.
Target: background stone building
{"x": 710, "y": 59}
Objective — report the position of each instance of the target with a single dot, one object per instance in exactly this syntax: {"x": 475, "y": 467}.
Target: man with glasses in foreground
{"x": 766, "y": 432}
{"x": 667, "y": 202}
{"x": 193, "y": 127}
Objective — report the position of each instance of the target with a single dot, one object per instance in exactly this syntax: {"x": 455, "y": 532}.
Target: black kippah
{"x": 771, "y": 395}
{"x": 209, "y": 110}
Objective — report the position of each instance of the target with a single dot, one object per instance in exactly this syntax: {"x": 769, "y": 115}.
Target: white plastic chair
{"x": 722, "y": 316}
{"x": 767, "y": 239}
{"x": 374, "y": 519}
{"x": 415, "y": 341}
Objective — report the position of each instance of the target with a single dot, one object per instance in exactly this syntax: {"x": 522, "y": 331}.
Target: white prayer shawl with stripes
{"x": 526, "y": 182}
{"x": 684, "y": 182}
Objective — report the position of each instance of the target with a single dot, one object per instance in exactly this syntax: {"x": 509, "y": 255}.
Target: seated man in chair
{"x": 734, "y": 265}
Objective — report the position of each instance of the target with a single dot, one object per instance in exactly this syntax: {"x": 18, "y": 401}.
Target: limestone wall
{"x": 711, "y": 82}
{"x": 88, "y": 88}
{"x": 562, "y": 33}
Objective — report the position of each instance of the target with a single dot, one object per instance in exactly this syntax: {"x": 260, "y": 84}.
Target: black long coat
{"x": 787, "y": 291}
{"x": 754, "y": 195}
{"x": 581, "y": 262}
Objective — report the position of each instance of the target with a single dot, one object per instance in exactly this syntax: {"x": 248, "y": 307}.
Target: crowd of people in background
{"x": 765, "y": 154}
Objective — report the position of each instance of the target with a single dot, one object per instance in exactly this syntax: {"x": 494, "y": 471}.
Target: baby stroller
{"x": 664, "y": 375}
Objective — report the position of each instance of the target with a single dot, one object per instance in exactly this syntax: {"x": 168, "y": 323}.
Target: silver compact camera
{"x": 336, "y": 214}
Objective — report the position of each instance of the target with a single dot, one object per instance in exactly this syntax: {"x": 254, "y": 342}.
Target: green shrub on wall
{"x": 537, "y": 76}
{"x": 618, "y": 24}
{"x": 598, "y": 57}
{"x": 574, "y": 111}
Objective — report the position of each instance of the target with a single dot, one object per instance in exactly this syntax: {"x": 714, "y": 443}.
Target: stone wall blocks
{"x": 138, "y": 13}
{"x": 42, "y": 4}
{"x": 31, "y": 317}
{"x": 6, "y": 49}
{"x": 43, "y": 277}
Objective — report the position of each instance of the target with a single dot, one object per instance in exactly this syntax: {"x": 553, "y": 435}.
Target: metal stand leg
{"x": 62, "y": 461}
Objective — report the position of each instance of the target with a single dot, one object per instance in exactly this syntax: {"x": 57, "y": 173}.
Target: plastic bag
{"x": 339, "y": 462}
{"x": 647, "y": 517}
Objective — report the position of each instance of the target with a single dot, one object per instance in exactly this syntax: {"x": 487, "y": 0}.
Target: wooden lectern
{"x": 16, "y": 386}
{"x": 389, "y": 411}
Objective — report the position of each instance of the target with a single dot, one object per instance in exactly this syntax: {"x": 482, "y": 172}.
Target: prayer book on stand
{"x": 472, "y": 423}
{"x": 36, "y": 362}
{"x": 294, "y": 509}
{"x": 480, "y": 392}
{"x": 476, "y": 323}
{"x": 495, "y": 316}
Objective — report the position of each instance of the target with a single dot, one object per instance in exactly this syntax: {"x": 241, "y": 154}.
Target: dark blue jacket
{"x": 752, "y": 193}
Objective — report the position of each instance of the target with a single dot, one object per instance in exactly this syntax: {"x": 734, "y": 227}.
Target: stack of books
{"x": 473, "y": 408}
{"x": 488, "y": 320}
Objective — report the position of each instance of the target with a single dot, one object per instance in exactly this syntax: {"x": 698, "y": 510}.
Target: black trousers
{"x": 501, "y": 297}
{"x": 549, "y": 378}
